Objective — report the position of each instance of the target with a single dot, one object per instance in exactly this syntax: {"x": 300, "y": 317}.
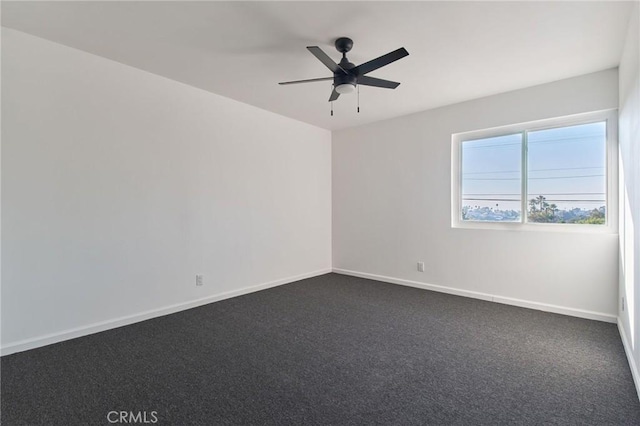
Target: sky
{"x": 566, "y": 165}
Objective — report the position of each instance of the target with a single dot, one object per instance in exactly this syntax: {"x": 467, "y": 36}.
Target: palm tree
{"x": 542, "y": 201}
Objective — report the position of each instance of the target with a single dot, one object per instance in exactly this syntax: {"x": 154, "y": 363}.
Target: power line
{"x": 565, "y": 193}
{"x": 492, "y": 199}
{"x": 484, "y": 173}
{"x": 534, "y": 170}
{"x": 546, "y": 199}
{"x": 537, "y": 178}
{"x": 546, "y": 193}
{"x": 564, "y": 177}
{"x": 499, "y": 145}
{"x": 578, "y": 201}
{"x": 538, "y": 142}
{"x": 566, "y": 168}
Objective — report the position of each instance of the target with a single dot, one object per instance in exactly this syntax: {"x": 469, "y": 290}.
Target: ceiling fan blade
{"x": 377, "y": 82}
{"x": 311, "y": 80}
{"x": 380, "y": 62}
{"x": 334, "y": 95}
{"x": 325, "y": 59}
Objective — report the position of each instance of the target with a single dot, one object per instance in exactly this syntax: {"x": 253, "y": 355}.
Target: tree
{"x": 541, "y": 211}
{"x": 596, "y": 217}
{"x": 532, "y": 205}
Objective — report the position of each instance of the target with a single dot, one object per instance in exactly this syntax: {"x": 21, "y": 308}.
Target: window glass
{"x": 492, "y": 179}
{"x": 566, "y": 174}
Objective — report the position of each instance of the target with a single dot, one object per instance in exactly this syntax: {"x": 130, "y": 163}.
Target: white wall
{"x": 119, "y": 186}
{"x": 629, "y": 136}
{"x": 392, "y": 198}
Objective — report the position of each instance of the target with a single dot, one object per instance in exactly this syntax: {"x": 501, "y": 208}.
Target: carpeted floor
{"x": 332, "y": 350}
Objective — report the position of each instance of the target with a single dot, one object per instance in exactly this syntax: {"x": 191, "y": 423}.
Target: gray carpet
{"x": 332, "y": 350}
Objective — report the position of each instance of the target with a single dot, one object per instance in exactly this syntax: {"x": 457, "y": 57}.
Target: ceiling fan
{"x": 346, "y": 76}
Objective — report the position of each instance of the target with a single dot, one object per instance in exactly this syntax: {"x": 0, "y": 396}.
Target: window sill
{"x": 537, "y": 227}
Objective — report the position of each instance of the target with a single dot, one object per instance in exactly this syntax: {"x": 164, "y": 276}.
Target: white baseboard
{"x": 61, "y": 336}
{"x": 599, "y": 316}
{"x": 632, "y": 362}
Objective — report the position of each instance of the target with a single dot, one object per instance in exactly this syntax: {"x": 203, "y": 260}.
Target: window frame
{"x": 611, "y": 175}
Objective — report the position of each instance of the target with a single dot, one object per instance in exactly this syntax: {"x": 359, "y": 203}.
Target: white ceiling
{"x": 241, "y": 50}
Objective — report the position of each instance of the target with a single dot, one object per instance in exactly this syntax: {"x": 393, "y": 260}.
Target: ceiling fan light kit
{"x": 346, "y": 75}
{"x": 345, "y": 88}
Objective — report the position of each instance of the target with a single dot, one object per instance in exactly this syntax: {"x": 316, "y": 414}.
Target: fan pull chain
{"x": 332, "y": 108}
{"x": 358, "y": 99}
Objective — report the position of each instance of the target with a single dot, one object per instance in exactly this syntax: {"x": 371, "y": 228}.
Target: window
{"x": 555, "y": 172}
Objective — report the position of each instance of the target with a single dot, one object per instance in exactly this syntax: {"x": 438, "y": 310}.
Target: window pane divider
{"x": 524, "y": 176}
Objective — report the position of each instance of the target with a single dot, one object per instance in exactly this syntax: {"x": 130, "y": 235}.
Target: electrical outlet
{"x": 623, "y": 303}
{"x": 420, "y": 266}
{"x": 199, "y": 280}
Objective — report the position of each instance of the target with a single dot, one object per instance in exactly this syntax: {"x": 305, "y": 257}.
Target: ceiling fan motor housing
{"x": 343, "y": 45}
{"x": 342, "y": 78}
